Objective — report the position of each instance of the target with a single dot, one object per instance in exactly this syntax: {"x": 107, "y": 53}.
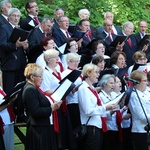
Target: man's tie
{"x": 88, "y": 37}
{"x": 36, "y": 20}
{"x": 129, "y": 42}
{"x": 110, "y": 37}
{"x": 142, "y": 34}
{"x": 67, "y": 34}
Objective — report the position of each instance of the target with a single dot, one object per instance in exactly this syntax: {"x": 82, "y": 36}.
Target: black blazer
{"x": 59, "y": 37}
{"x": 24, "y": 23}
{"x": 129, "y": 51}
{"x": 35, "y": 48}
{"x": 12, "y": 58}
{"x": 3, "y": 20}
{"x": 37, "y": 106}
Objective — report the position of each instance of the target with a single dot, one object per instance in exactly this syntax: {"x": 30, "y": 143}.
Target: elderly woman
{"x": 113, "y": 138}
{"x": 139, "y": 57}
{"x": 51, "y": 79}
{"x": 139, "y": 105}
{"x": 39, "y": 110}
{"x": 50, "y": 75}
{"x": 118, "y": 59}
{"x": 91, "y": 106}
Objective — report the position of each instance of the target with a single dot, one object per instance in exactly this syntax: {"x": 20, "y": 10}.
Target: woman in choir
{"x": 51, "y": 79}
{"x": 113, "y": 138}
{"x": 40, "y": 131}
{"x": 139, "y": 105}
{"x": 91, "y": 106}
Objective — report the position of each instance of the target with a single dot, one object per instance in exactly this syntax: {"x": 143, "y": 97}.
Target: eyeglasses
{"x": 103, "y": 47}
{"x": 64, "y": 21}
{"x": 37, "y": 76}
{"x": 35, "y": 6}
{"x": 144, "y": 80}
{"x": 142, "y": 58}
{"x": 15, "y": 16}
{"x": 74, "y": 61}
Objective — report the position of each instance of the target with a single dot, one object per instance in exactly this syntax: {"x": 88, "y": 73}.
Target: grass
{"x": 18, "y": 144}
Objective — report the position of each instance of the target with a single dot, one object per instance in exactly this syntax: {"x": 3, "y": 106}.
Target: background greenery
{"x": 124, "y": 10}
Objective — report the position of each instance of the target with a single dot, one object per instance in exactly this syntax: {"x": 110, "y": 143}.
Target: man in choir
{"x": 5, "y": 5}
{"x": 31, "y": 21}
{"x": 44, "y": 30}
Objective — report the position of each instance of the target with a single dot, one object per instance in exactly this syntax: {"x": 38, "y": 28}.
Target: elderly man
{"x": 5, "y": 5}
{"x": 130, "y": 46}
{"x": 43, "y": 30}
{"x": 13, "y": 56}
{"x": 31, "y": 20}
{"x": 115, "y": 29}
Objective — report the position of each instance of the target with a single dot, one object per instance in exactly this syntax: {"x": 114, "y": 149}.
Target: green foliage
{"x": 123, "y": 10}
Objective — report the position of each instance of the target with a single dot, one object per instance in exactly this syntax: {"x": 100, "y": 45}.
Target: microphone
{"x": 131, "y": 80}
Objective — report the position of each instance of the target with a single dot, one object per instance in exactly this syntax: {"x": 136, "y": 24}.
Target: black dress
{"x": 40, "y": 134}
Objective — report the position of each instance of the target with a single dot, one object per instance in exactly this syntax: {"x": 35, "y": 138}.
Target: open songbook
{"x": 63, "y": 90}
{"x": 66, "y": 85}
{"x": 16, "y": 90}
{"x": 116, "y": 100}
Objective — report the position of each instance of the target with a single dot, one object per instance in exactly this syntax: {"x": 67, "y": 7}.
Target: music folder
{"x": 63, "y": 90}
{"x": 85, "y": 59}
{"x": 16, "y": 90}
{"x": 145, "y": 40}
{"x": 66, "y": 85}
{"x": 18, "y": 32}
{"x": 118, "y": 39}
{"x": 72, "y": 76}
{"x": 116, "y": 100}
{"x": 78, "y": 34}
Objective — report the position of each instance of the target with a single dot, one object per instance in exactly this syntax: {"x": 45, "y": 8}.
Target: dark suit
{"x": 59, "y": 37}
{"x": 84, "y": 49}
{"x": 100, "y": 29}
{"x": 13, "y": 64}
{"x": 3, "y": 20}
{"x": 103, "y": 36}
{"x": 138, "y": 39}
{"x": 35, "y": 48}
{"x": 129, "y": 51}
{"x": 24, "y": 23}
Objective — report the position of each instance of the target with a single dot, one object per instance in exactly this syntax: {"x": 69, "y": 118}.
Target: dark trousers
{"x": 94, "y": 138}
{"x": 10, "y": 79}
{"x": 111, "y": 141}
{"x": 140, "y": 141}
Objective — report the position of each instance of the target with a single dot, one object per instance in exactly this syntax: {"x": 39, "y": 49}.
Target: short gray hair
{"x": 83, "y": 10}
{"x": 45, "y": 19}
{"x": 126, "y": 24}
{"x": 11, "y": 10}
{"x": 2, "y": 3}
{"x": 103, "y": 81}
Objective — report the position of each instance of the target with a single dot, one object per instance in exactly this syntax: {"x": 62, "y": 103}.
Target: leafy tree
{"x": 123, "y": 10}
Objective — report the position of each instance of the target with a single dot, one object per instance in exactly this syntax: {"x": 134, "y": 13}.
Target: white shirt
{"x": 138, "y": 117}
{"x": 88, "y": 107}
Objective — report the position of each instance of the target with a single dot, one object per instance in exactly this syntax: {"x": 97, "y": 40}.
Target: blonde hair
{"x": 50, "y": 53}
{"x": 72, "y": 56}
{"x": 89, "y": 68}
{"x": 32, "y": 69}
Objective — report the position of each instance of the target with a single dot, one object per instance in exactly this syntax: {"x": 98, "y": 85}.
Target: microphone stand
{"x": 147, "y": 127}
